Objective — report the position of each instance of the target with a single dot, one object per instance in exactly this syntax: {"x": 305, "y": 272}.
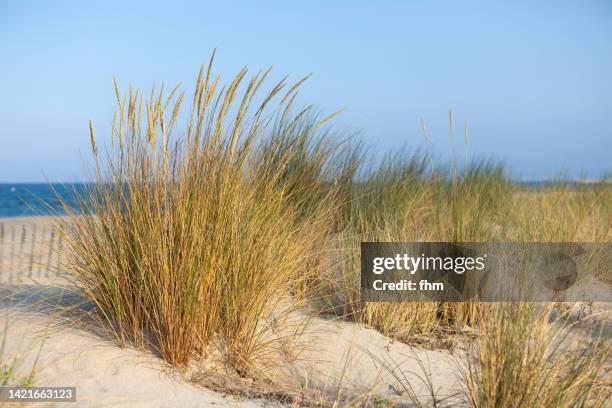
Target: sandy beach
{"x": 332, "y": 356}
{"x": 306, "y": 204}
{"x": 334, "y": 353}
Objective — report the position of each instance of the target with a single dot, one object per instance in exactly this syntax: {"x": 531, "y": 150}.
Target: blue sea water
{"x": 21, "y": 199}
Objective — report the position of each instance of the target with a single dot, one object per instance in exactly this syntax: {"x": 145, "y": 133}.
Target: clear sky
{"x": 532, "y": 78}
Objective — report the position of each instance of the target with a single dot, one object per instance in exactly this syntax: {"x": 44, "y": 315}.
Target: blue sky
{"x": 532, "y": 78}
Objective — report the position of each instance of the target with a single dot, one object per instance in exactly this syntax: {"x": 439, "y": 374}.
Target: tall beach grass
{"x": 193, "y": 241}
{"x": 200, "y": 237}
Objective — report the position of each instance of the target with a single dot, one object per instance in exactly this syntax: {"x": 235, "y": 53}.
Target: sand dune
{"x": 333, "y": 355}
{"x": 106, "y": 375}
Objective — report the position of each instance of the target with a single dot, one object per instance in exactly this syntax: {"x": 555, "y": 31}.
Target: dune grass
{"x": 520, "y": 360}
{"x": 193, "y": 241}
{"x": 200, "y": 236}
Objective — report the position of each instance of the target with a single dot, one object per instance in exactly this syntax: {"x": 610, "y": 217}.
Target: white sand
{"x": 103, "y": 374}
{"x": 106, "y": 375}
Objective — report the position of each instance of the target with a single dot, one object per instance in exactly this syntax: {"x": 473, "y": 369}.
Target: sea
{"x": 29, "y": 199}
